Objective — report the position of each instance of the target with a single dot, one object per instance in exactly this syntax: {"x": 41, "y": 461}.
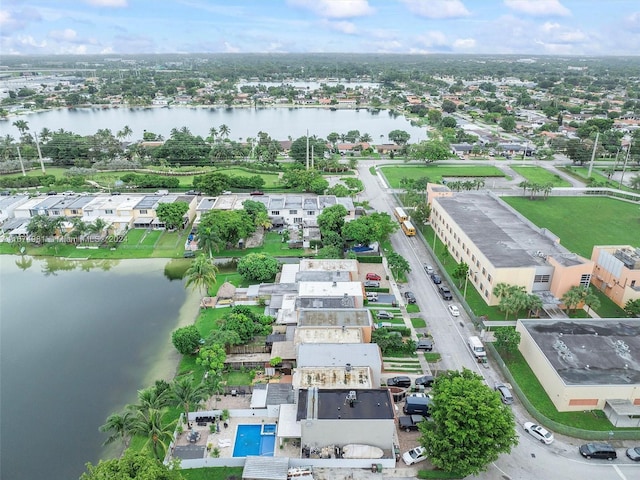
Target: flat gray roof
{"x": 348, "y": 317}
{"x": 590, "y": 352}
{"x": 338, "y": 354}
{"x": 325, "y": 302}
{"x": 148, "y": 201}
{"x": 374, "y": 404}
{"x": 322, "y": 276}
{"x": 265, "y": 468}
{"x": 502, "y": 235}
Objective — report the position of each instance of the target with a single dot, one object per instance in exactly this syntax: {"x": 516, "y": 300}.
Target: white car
{"x": 415, "y": 455}
{"x": 538, "y": 432}
{"x": 453, "y": 310}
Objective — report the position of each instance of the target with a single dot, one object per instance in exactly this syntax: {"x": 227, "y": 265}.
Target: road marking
{"x": 620, "y": 474}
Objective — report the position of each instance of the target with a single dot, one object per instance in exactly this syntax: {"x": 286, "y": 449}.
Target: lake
{"x": 77, "y": 340}
{"x": 279, "y": 123}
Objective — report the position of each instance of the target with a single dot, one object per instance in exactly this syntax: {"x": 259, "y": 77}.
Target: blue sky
{"x": 557, "y": 27}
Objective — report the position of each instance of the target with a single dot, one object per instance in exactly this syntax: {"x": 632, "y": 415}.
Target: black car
{"x": 410, "y": 423}
{"x": 598, "y": 450}
{"x": 189, "y": 254}
{"x": 436, "y": 279}
{"x": 425, "y": 344}
{"x": 409, "y": 297}
{"x": 425, "y": 381}
{"x": 401, "y": 381}
{"x": 445, "y": 293}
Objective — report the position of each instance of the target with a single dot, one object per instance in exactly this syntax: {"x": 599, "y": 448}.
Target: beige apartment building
{"x": 501, "y": 246}
{"x": 587, "y": 364}
{"x": 617, "y": 272}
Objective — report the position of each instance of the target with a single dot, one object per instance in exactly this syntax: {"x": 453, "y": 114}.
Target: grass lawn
{"x": 432, "y": 357}
{"x": 212, "y": 473}
{"x": 418, "y": 323}
{"x": 272, "y": 245}
{"x": 237, "y": 377}
{"x": 540, "y": 176}
{"x": 413, "y": 308}
{"x": 582, "y": 222}
{"x": 435, "y": 173}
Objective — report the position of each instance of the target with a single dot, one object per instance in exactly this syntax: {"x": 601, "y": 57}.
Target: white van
{"x": 372, "y": 296}
{"x": 477, "y": 348}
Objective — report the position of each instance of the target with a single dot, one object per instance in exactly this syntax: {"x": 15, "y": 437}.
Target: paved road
{"x": 530, "y": 459}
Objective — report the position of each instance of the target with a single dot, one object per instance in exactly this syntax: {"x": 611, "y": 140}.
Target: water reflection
{"x": 53, "y": 265}
{"x": 24, "y": 262}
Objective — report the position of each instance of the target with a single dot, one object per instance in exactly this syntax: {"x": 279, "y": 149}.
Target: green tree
{"x": 212, "y": 357}
{"x": 430, "y": 151}
{"x": 255, "y": 210}
{"x": 259, "y": 267}
{"x": 434, "y": 117}
{"x": 172, "y": 214}
{"x": 118, "y": 425}
{"x": 421, "y": 213}
{"x": 534, "y": 305}
{"x": 399, "y": 137}
{"x": 201, "y": 274}
{"x": 574, "y": 297}
{"x": 43, "y": 227}
{"x": 448, "y": 122}
{"x": 470, "y": 428}
{"x": 591, "y": 300}
{"x": 229, "y": 226}
{"x": 150, "y": 424}
{"x": 508, "y": 123}
{"x": 298, "y": 150}
{"x": 186, "y": 339}
{"x": 188, "y": 394}
{"x": 460, "y": 273}
{"x": 332, "y": 219}
{"x": 398, "y": 264}
{"x": 449, "y": 106}
{"x": 131, "y": 466}
{"x": 632, "y": 308}
{"x": 507, "y": 339}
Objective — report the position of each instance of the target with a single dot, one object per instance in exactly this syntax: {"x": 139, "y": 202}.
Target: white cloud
{"x": 538, "y": 8}
{"x": 335, "y": 8}
{"x": 631, "y": 23}
{"x": 29, "y": 41}
{"x": 341, "y": 26}
{"x": 549, "y": 27}
{"x": 66, "y": 35}
{"x": 437, "y": 8}
{"x": 464, "y": 44}
{"x": 433, "y": 38}
{"x": 108, "y": 3}
{"x": 228, "y": 48}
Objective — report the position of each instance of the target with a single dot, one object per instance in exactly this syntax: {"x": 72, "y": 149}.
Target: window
{"x": 541, "y": 279}
{"x": 108, "y": 212}
{"x": 489, "y": 278}
{"x": 74, "y": 212}
{"x": 293, "y": 212}
{"x": 275, "y": 212}
{"x": 486, "y": 293}
{"x": 585, "y": 280}
{"x": 297, "y": 220}
{"x": 633, "y": 283}
{"x": 478, "y": 264}
{"x": 473, "y": 258}
{"x": 484, "y": 272}
{"x": 311, "y": 213}
{"x": 143, "y": 212}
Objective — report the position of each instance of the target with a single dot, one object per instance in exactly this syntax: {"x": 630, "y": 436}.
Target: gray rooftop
{"x": 207, "y": 203}
{"x": 276, "y": 203}
{"x": 11, "y": 200}
{"x": 47, "y": 202}
{"x": 293, "y": 201}
{"x": 79, "y": 203}
{"x": 325, "y": 302}
{"x": 279, "y": 393}
{"x": 348, "y": 317}
{"x": 265, "y": 468}
{"x": 590, "y": 352}
{"x": 338, "y": 354}
{"x": 501, "y": 234}
{"x": 148, "y": 202}
{"x": 325, "y": 201}
{"x": 374, "y": 404}
{"x": 323, "y": 276}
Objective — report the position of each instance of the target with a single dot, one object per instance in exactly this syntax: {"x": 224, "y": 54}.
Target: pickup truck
{"x": 445, "y": 293}
{"x": 410, "y": 422}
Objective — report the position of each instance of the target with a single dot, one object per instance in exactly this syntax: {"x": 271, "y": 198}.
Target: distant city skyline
{"x": 526, "y": 27}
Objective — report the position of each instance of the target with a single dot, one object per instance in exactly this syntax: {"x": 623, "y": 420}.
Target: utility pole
{"x": 24, "y": 174}
{"x": 39, "y": 153}
{"x": 312, "y": 158}
{"x": 307, "y": 149}
{"x": 593, "y": 154}
{"x": 624, "y": 167}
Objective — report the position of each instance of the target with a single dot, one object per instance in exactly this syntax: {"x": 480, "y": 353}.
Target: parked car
{"x": 425, "y": 344}
{"x": 189, "y": 254}
{"x": 436, "y": 279}
{"x": 373, "y": 276}
{"x": 410, "y": 423}
{"x": 445, "y": 293}
{"x": 453, "y": 310}
{"x": 384, "y": 315}
{"x": 598, "y": 450}
{"x": 372, "y": 296}
{"x": 401, "y": 381}
{"x": 415, "y": 455}
{"x": 538, "y": 432}
{"x": 505, "y": 393}
{"x": 634, "y": 454}
{"x": 424, "y": 381}
{"x": 257, "y": 192}
{"x": 409, "y": 297}
{"x": 371, "y": 284}
{"x": 429, "y": 269}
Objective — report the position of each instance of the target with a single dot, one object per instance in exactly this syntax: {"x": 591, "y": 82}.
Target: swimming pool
{"x": 255, "y": 440}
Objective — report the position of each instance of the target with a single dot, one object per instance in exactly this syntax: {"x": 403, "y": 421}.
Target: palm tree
{"x": 188, "y": 394}
{"x": 119, "y": 427}
{"x": 534, "y": 304}
{"x": 98, "y": 227}
{"x": 22, "y": 126}
{"x": 365, "y": 137}
{"x": 45, "y": 135}
{"x": 149, "y": 423}
{"x": 574, "y": 297}
{"x": 213, "y": 132}
{"x": 201, "y": 274}
{"x": 79, "y": 227}
{"x": 501, "y": 289}
{"x": 225, "y": 130}
{"x": 149, "y": 398}
{"x": 208, "y": 240}
{"x": 7, "y": 146}
{"x": 262, "y": 220}
{"x": 635, "y": 182}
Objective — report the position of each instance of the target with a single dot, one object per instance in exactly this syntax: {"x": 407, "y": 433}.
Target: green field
{"x": 541, "y": 176}
{"x": 582, "y": 222}
{"x": 435, "y": 173}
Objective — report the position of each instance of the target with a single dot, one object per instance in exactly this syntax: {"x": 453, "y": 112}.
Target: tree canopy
{"x": 470, "y": 428}
{"x": 186, "y": 339}
{"x": 260, "y": 267}
{"x": 229, "y": 226}
{"x": 172, "y": 214}
{"x": 131, "y": 466}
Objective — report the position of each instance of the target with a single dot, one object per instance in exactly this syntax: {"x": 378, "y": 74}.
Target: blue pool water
{"x": 250, "y": 440}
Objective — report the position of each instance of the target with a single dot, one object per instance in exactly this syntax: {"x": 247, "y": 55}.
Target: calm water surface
{"x": 75, "y": 346}
{"x": 279, "y": 123}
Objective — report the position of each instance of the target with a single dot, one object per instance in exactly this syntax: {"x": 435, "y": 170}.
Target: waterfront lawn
{"x": 435, "y": 173}
{"x": 541, "y": 176}
{"x": 212, "y": 473}
{"x": 582, "y": 222}
{"x": 272, "y": 244}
